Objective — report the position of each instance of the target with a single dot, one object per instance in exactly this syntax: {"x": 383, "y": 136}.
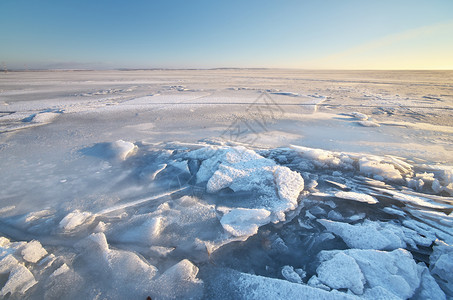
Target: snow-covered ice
{"x": 226, "y": 184}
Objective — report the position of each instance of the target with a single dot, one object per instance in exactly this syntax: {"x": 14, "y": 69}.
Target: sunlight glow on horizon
{"x": 401, "y": 58}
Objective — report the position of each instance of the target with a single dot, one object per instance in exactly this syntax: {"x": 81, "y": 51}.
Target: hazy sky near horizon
{"x": 328, "y": 34}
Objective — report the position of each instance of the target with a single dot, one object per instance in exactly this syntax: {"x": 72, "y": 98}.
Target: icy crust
{"x": 241, "y": 169}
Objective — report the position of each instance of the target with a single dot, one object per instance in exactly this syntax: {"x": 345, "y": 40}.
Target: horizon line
{"x": 203, "y": 69}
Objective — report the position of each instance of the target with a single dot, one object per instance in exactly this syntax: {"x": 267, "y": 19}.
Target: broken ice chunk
{"x": 395, "y": 271}
{"x": 244, "y": 222}
{"x": 118, "y": 150}
{"x": 341, "y": 271}
{"x": 367, "y": 235}
{"x": 123, "y": 269}
{"x": 276, "y": 188}
{"x": 334, "y": 215}
{"x": 320, "y": 157}
{"x": 356, "y": 217}
{"x": 441, "y": 264}
{"x": 19, "y": 281}
{"x": 7, "y": 263}
{"x": 378, "y": 168}
{"x": 7, "y": 209}
{"x": 289, "y": 274}
{"x": 429, "y": 289}
{"x": 304, "y": 223}
{"x": 76, "y": 219}
{"x": 146, "y": 233}
{"x": 360, "y": 197}
{"x": 235, "y": 285}
{"x": 33, "y": 251}
{"x": 152, "y": 171}
{"x": 61, "y": 270}
{"x": 289, "y": 185}
{"x": 122, "y": 149}
{"x": 180, "y": 282}
{"x": 359, "y": 116}
{"x": 314, "y": 282}
{"x": 368, "y": 123}
{"x": 160, "y": 251}
{"x": 394, "y": 211}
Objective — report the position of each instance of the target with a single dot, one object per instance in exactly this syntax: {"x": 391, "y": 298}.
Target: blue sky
{"x": 328, "y": 34}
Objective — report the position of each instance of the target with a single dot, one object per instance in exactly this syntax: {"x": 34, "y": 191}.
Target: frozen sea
{"x": 226, "y": 184}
